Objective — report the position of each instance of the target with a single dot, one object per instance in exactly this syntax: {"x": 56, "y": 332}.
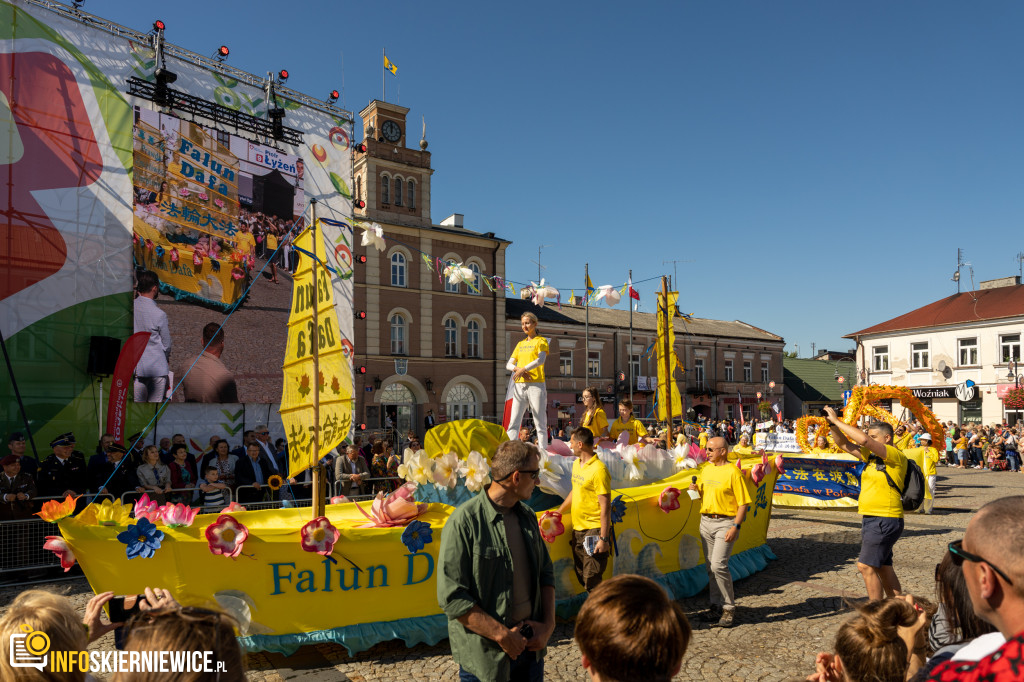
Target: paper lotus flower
{"x": 174, "y": 255}
{"x": 203, "y": 196}
{"x": 397, "y": 509}
{"x": 178, "y": 515}
{"x": 231, "y": 508}
{"x": 609, "y": 293}
{"x": 669, "y": 499}
{"x": 58, "y": 546}
{"x": 457, "y": 274}
{"x": 197, "y": 258}
{"x": 184, "y": 191}
{"x": 761, "y": 469}
{"x": 373, "y": 235}
{"x": 778, "y": 464}
{"x": 319, "y": 536}
{"x": 226, "y": 536}
{"x": 418, "y": 469}
{"x": 146, "y": 508}
{"x": 477, "y": 471}
{"x": 551, "y": 526}
{"x": 417, "y": 535}
{"x": 618, "y": 509}
{"x": 636, "y": 468}
{"x": 54, "y": 511}
{"x": 339, "y": 499}
{"x": 237, "y": 273}
{"x": 135, "y": 239}
{"x": 219, "y": 203}
{"x": 446, "y": 470}
{"x": 542, "y": 291}
{"x": 149, "y": 244}
{"x": 110, "y": 513}
{"x": 142, "y": 539}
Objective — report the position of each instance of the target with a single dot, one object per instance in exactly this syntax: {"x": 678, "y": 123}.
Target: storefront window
{"x": 970, "y": 412}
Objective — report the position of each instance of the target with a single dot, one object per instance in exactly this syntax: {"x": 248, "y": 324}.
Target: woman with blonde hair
{"x": 527, "y": 385}
{"x": 594, "y": 417}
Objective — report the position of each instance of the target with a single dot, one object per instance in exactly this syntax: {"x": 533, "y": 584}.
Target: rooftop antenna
{"x": 1020, "y": 265}
{"x": 675, "y": 269}
{"x": 542, "y": 246}
{"x": 959, "y": 264}
{"x": 343, "y": 105}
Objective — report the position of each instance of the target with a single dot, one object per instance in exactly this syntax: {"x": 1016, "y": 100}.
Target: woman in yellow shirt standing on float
{"x": 626, "y": 422}
{"x": 594, "y": 417}
{"x": 527, "y": 367}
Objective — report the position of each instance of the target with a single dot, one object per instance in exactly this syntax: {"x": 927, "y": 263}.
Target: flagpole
{"x": 586, "y": 325}
{"x": 383, "y": 77}
{"x": 318, "y": 497}
{"x": 629, "y": 347}
{"x": 667, "y": 369}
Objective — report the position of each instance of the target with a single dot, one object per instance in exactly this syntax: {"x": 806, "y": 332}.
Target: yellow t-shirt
{"x": 928, "y": 457}
{"x": 877, "y": 497}
{"x": 246, "y": 242}
{"x": 702, "y": 441}
{"x": 903, "y": 442}
{"x": 526, "y": 352}
{"x": 724, "y": 489}
{"x": 597, "y": 422}
{"x": 741, "y": 451}
{"x": 588, "y": 482}
{"x": 271, "y": 242}
{"x": 635, "y": 429}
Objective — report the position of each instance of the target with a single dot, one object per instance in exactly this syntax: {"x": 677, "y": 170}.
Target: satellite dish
{"x": 941, "y": 366}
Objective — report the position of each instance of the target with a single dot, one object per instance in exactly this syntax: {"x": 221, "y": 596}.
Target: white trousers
{"x": 929, "y": 499}
{"x": 537, "y": 395}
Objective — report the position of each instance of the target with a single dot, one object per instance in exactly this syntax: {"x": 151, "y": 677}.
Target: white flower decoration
{"x": 609, "y": 293}
{"x": 373, "y": 235}
{"x": 477, "y": 471}
{"x": 542, "y": 291}
{"x": 457, "y": 274}
{"x": 446, "y": 470}
{"x": 417, "y": 467}
{"x": 636, "y": 468}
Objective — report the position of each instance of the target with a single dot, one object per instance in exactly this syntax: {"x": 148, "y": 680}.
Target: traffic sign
{"x": 846, "y": 397}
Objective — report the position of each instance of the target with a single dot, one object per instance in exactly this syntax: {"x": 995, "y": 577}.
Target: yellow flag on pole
{"x": 667, "y": 409}
{"x": 390, "y": 65}
{"x": 334, "y": 385}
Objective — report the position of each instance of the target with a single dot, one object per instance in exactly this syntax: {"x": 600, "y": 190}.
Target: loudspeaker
{"x": 103, "y": 352}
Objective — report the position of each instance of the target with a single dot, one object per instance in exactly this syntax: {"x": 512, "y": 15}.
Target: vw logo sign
{"x": 966, "y": 391}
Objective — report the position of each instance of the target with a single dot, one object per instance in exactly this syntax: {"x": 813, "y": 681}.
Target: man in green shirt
{"x": 495, "y": 580}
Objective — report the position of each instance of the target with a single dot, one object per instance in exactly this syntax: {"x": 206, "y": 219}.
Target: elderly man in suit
{"x": 353, "y": 472}
{"x": 253, "y": 470}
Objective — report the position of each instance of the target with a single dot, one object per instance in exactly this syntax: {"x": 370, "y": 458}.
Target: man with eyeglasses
{"x": 991, "y": 556}
{"x": 879, "y": 503}
{"x": 495, "y": 580}
{"x": 591, "y": 508}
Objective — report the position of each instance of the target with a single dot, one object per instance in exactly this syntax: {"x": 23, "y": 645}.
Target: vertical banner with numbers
{"x": 334, "y": 383}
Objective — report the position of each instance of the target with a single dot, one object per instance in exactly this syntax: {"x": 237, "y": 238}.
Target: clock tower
{"x": 391, "y": 178}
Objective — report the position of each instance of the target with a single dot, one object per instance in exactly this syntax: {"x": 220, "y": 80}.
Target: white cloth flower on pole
{"x": 609, "y": 293}
{"x": 373, "y": 235}
{"x": 543, "y": 291}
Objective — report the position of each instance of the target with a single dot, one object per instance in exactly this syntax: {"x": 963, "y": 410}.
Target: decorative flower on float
{"x": 618, "y": 509}
{"x": 59, "y": 546}
{"x": 174, "y": 255}
{"x": 108, "y": 513}
{"x": 636, "y": 468}
{"x": 319, "y": 535}
{"x": 682, "y": 459}
{"x": 197, "y": 258}
{"x": 457, "y": 274}
{"x": 339, "y": 499}
{"x": 540, "y": 292}
{"x": 417, "y": 535}
{"x": 232, "y": 508}
{"x": 142, "y": 539}
{"x": 668, "y": 500}
{"x": 54, "y": 511}
{"x": 551, "y": 526}
{"x": 418, "y": 469}
{"x": 609, "y": 293}
{"x": 397, "y": 509}
{"x": 178, "y": 515}
{"x": 373, "y": 235}
{"x": 275, "y": 482}
{"x": 237, "y": 273}
{"x": 146, "y": 508}
{"x": 477, "y": 471}
{"x": 226, "y": 536}
{"x": 446, "y": 471}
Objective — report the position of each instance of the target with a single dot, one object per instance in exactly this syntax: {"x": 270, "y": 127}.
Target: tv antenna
{"x": 542, "y": 246}
{"x": 675, "y": 269}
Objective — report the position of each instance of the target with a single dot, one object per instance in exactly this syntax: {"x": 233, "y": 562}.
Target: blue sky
{"x": 817, "y": 163}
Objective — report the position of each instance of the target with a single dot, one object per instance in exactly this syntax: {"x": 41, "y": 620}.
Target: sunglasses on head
{"x": 956, "y": 548}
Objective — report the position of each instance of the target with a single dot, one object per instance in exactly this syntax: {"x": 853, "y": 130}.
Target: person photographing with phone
{"x": 591, "y": 508}
{"x": 723, "y": 508}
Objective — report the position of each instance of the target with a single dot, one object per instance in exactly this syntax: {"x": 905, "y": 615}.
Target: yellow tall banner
{"x": 334, "y": 385}
{"x": 664, "y": 382}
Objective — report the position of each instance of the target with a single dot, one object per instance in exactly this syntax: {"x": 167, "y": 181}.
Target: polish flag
{"x": 632, "y": 291}
{"x": 507, "y": 415}
{"x": 739, "y": 401}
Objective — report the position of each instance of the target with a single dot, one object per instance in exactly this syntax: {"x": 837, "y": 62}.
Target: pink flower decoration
{"x": 203, "y": 196}
{"x": 58, "y": 546}
{"x": 319, "y": 536}
{"x": 397, "y": 509}
{"x": 174, "y": 255}
{"x": 219, "y": 203}
{"x": 178, "y": 515}
{"x": 231, "y": 508}
{"x": 135, "y": 239}
{"x": 761, "y": 469}
{"x": 184, "y": 191}
{"x": 551, "y": 526}
{"x": 237, "y": 273}
{"x": 146, "y": 508}
{"x": 226, "y": 536}
{"x": 250, "y": 261}
{"x": 340, "y": 499}
{"x": 197, "y": 258}
{"x": 149, "y": 244}
{"x": 778, "y": 464}
{"x": 669, "y": 499}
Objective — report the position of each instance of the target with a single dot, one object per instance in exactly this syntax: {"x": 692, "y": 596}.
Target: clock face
{"x": 391, "y": 131}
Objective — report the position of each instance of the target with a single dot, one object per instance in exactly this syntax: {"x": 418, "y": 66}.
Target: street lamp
{"x": 1012, "y": 374}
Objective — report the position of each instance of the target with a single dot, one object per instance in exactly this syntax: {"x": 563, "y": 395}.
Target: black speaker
{"x": 103, "y": 352}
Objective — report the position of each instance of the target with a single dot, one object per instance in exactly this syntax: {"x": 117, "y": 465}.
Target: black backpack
{"x": 912, "y": 493}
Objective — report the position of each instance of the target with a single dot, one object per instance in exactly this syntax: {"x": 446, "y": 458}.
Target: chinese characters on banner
{"x": 819, "y": 478}
{"x": 334, "y": 384}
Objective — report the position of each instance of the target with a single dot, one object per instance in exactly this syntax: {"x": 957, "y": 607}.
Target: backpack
{"x": 912, "y": 493}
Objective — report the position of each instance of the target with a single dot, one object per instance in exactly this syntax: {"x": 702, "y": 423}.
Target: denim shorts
{"x": 878, "y": 534}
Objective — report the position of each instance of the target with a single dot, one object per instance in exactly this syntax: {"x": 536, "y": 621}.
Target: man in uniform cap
{"x": 62, "y": 473}
{"x": 16, "y": 490}
{"x": 16, "y": 446}
{"x": 115, "y": 477}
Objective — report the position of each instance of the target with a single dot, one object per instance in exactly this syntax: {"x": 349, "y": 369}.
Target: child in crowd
{"x": 211, "y": 494}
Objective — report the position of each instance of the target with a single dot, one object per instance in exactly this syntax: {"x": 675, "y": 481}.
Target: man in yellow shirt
{"x": 627, "y": 423}
{"x": 591, "y": 507}
{"x": 724, "y": 503}
{"x": 527, "y": 367}
{"x": 880, "y": 503}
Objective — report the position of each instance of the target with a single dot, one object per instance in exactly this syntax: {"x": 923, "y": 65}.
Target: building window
{"x": 462, "y": 403}
{"x": 473, "y": 339}
{"x": 919, "y": 355}
{"x": 476, "y": 279}
{"x": 594, "y": 363}
{"x": 748, "y": 371}
{"x": 412, "y": 193}
{"x": 224, "y": 138}
{"x": 764, "y": 373}
{"x": 398, "y": 191}
{"x": 451, "y": 339}
{"x": 727, "y": 371}
{"x": 449, "y": 287}
{"x": 634, "y": 365}
{"x": 565, "y": 363}
{"x": 969, "y": 351}
{"x": 1009, "y": 347}
{"x": 398, "y": 335}
{"x": 385, "y": 190}
{"x": 398, "y": 269}
{"x": 880, "y": 358}
{"x": 698, "y": 372}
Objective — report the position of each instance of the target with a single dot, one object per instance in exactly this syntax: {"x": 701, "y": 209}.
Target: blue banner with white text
{"x": 822, "y": 479}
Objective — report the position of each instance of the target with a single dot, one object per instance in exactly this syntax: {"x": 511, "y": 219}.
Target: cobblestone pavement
{"x": 787, "y": 613}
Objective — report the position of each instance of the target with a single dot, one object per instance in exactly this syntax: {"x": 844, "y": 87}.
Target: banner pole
{"x": 629, "y": 347}
{"x": 586, "y": 327}
{"x": 318, "y": 496}
{"x": 667, "y": 364}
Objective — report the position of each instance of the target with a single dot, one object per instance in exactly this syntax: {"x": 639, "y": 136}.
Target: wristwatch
{"x": 736, "y": 525}
{"x": 603, "y": 539}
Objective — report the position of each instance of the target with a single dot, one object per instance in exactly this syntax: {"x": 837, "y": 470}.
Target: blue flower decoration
{"x": 417, "y": 535}
{"x": 159, "y": 252}
{"x": 618, "y": 510}
{"x": 142, "y": 538}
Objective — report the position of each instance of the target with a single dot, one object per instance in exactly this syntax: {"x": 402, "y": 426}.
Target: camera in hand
{"x": 526, "y": 630}
{"x": 118, "y": 612}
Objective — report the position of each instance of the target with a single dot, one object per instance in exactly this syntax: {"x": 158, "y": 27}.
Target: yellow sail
{"x": 669, "y": 382}
{"x": 334, "y": 384}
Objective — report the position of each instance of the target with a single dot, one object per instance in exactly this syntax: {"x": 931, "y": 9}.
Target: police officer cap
{"x": 63, "y": 439}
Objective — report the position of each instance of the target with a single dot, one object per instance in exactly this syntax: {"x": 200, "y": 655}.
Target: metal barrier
{"x": 132, "y": 496}
{"x": 376, "y": 484}
{"x": 21, "y": 540}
